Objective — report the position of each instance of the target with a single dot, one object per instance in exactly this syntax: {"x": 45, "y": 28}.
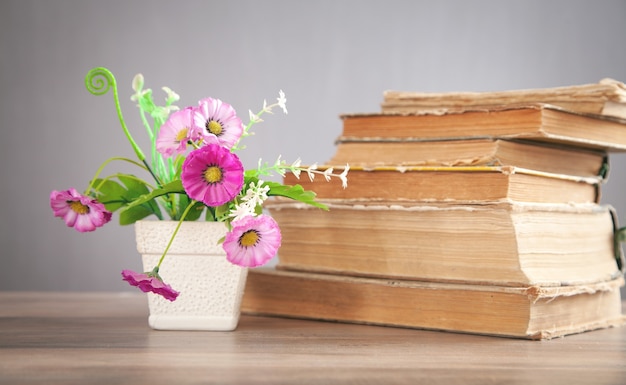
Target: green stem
{"x": 98, "y": 81}
{"x": 97, "y": 188}
{"x": 247, "y": 127}
{"x": 156, "y": 178}
{"x": 93, "y": 180}
{"x": 146, "y": 124}
{"x": 180, "y": 222}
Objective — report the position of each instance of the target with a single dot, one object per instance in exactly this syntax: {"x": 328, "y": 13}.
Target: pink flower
{"x": 79, "y": 211}
{"x": 253, "y": 241}
{"x": 214, "y": 119}
{"x": 150, "y": 282}
{"x": 175, "y": 132}
{"x": 212, "y": 174}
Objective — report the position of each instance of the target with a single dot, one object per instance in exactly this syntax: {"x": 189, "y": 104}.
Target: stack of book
{"x": 464, "y": 212}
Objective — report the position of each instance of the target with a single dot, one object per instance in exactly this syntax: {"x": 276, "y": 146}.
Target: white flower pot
{"x": 211, "y": 288}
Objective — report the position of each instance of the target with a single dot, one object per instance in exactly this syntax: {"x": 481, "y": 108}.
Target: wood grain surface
{"x": 103, "y": 338}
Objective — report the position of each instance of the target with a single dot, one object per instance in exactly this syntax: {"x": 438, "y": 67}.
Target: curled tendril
{"x": 99, "y": 80}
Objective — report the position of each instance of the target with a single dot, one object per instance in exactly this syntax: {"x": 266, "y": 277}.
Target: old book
{"x": 608, "y": 98}
{"x": 530, "y": 312}
{"x": 473, "y": 152}
{"x": 538, "y": 122}
{"x": 506, "y": 244}
{"x": 454, "y": 184}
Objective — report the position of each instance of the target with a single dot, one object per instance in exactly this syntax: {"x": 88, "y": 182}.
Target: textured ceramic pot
{"x": 211, "y": 288}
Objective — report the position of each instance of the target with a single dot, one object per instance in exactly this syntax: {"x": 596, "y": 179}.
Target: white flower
{"x": 256, "y": 194}
{"x": 254, "y": 118}
{"x": 171, "y": 95}
{"x": 240, "y": 211}
{"x": 282, "y": 101}
{"x": 295, "y": 168}
{"x": 266, "y": 108}
{"x": 279, "y": 166}
{"x": 328, "y": 173}
{"x": 171, "y": 109}
{"x": 139, "y": 95}
{"x": 344, "y": 176}
{"x": 310, "y": 170}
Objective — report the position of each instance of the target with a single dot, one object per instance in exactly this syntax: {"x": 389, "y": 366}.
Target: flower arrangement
{"x": 195, "y": 174}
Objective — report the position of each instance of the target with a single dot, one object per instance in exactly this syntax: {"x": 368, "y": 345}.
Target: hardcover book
{"x": 536, "y": 122}
{"x": 528, "y": 312}
{"x": 505, "y": 244}
{"x": 552, "y": 159}
{"x": 459, "y": 184}
{"x": 605, "y": 98}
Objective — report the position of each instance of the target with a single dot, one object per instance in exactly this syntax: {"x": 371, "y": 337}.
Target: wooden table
{"x": 102, "y": 338}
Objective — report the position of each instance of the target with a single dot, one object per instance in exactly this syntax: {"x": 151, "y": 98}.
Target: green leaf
{"x": 133, "y": 214}
{"x": 210, "y": 215}
{"x": 137, "y": 188}
{"x": 110, "y": 193}
{"x": 174, "y": 187}
{"x": 222, "y": 212}
{"x": 117, "y": 196}
{"x": 194, "y": 213}
{"x": 621, "y": 234}
{"x": 295, "y": 192}
{"x": 133, "y": 184}
{"x": 251, "y": 175}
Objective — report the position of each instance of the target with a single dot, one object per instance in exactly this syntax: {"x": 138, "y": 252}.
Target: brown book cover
{"x": 472, "y": 152}
{"x": 606, "y": 98}
{"x": 537, "y": 122}
{"x": 506, "y": 244}
{"x": 470, "y": 184}
{"x": 529, "y": 312}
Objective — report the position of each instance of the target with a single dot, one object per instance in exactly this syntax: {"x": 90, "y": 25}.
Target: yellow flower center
{"x": 214, "y": 127}
{"x": 213, "y": 174}
{"x": 78, "y": 207}
{"x": 182, "y": 134}
{"x": 249, "y": 238}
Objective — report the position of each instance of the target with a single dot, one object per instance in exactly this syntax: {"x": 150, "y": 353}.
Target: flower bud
{"x": 138, "y": 82}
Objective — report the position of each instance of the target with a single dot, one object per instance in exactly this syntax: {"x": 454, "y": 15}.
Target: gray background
{"x": 330, "y": 57}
